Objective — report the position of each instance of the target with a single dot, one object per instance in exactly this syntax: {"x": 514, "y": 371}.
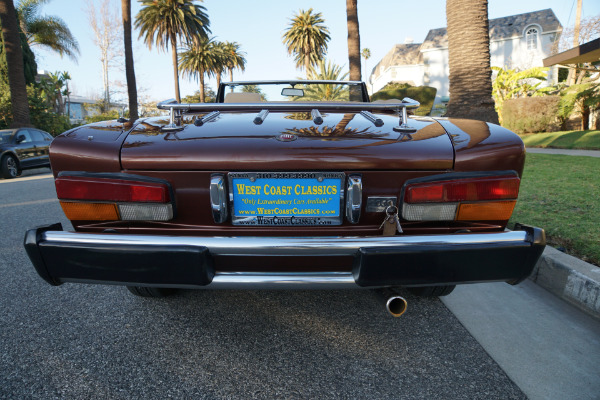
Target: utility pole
{"x": 573, "y": 71}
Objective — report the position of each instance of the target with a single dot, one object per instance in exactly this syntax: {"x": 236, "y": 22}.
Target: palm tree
{"x": 162, "y": 22}
{"x": 353, "y": 40}
{"x": 234, "y": 58}
{"x": 469, "y": 61}
{"x": 328, "y": 72}
{"x": 129, "y": 69}
{"x": 46, "y": 31}
{"x": 366, "y": 54}
{"x": 14, "y": 61}
{"x": 199, "y": 59}
{"x": 306, "y": 38}
{"x": 219, "y": 54}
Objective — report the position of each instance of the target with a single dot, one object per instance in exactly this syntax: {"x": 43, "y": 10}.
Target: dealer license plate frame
{"x": 299, "y": 220}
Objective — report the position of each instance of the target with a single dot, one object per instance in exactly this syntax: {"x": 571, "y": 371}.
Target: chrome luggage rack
{"x": 263, "y": 108}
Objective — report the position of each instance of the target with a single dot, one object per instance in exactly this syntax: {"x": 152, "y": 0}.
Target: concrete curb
{"x": 571, "y": 279}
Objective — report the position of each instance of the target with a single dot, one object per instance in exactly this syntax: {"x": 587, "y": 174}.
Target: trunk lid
{"x": 288, "y": 141}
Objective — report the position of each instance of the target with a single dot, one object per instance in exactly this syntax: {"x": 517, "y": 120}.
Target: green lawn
{"x": 562, "y": 195}
{"x": 589, "y": 140}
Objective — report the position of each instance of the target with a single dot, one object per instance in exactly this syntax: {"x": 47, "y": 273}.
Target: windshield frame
{"x": 293, "y": 82}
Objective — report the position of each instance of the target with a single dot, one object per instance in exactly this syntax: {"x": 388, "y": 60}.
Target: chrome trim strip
{"x": 378, "y": 122}
{"x": 218, "y": 198}
{"x": 260, "y": 118}
{"x": 290, "y": 106}
{"x": 280, "y": 280}
{"x": 316, "y": 116}
{"x": 354, "y": 198}
{"x": 292, "y": 246}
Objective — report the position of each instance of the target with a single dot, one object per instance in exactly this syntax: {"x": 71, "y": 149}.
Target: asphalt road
{"x": 89, "y": 341}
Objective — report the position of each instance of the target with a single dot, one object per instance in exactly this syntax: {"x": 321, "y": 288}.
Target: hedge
{"x": 531, "y": 114}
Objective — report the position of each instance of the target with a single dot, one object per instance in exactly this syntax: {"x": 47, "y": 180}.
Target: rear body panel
{"x": 345, "y": 143}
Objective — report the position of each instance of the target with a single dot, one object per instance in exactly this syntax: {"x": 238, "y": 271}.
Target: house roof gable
{"x": 502, "y": 28}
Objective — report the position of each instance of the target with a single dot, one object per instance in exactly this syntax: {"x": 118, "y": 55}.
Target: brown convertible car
{"x": 277, "y": 188}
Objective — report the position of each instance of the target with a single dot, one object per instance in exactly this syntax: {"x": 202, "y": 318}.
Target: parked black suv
{"x": 23, "y": 148}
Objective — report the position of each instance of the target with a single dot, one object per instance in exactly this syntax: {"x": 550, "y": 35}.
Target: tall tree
{"x": 353, "y": 40}
{"x": 234, "y": 58}
{"x": 107, "y": 36}
{"x": 14, "y": 59}
{"x": 306, "y": 38}
{"x": 129, "y": 70}
{"x": 220, "y": 57}
{"x": 46, "y": 31}
{"x": 469, "y": 60}
{"x": 162, "y": 22}
{"x": 198, "y": 60}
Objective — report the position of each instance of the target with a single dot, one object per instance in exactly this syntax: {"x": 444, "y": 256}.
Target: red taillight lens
{"x": 117, "y": 190}
{"x": 473, "y": 189}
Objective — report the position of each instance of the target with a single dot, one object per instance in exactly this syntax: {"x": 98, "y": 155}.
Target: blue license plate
{"x": 286, "y": 198}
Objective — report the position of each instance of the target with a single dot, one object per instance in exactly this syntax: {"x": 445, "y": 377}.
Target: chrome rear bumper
{"x": 378, "y": 261}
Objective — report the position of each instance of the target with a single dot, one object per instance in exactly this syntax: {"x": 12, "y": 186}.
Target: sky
{"x": 258, "y": 26}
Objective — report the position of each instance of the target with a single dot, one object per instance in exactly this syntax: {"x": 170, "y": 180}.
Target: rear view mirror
{"x": 20, "y": 139}
{"x": 292, "y": 92}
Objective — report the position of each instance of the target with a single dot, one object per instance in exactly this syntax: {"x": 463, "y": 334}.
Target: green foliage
{"x": 587, "y": 140}
{"x": 199, "y": 58}
{"x": 423, "y": 94}
{"x": 233, "y": 57}
{"x": 531, "y": 114}
{"x": 327, "y": 71}
{"x": 209, "y": 96}
{"x": 560, "y": 194}
{"x": 105, "y": 116}
{"x": 254, "y": 89}
{"x": 306, "y": 38}
{"x": 513, "y": 83}
{"x": 48, "y": 31}
{"x": 162, "y": 21}
{"x": 41, "y": 115}
{"x": 29, "y": 64}
{"x": 576, "y": 99}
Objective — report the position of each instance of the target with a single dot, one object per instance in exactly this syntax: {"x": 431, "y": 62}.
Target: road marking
{"x": 29, "y": 203}
{"x": 27, "y": 178}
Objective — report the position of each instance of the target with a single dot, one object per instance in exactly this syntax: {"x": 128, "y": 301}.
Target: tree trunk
{"x": 14, "y": 61}
{"x": 129, "y": 70}
{"x": 353, "y": 40}
{"x": 201, "y": 73}
{"x": 307, "y": 59}
{"x": 469, "y": 61}
{"x": 175, "y": 68}
{"x": 218, "y": 79}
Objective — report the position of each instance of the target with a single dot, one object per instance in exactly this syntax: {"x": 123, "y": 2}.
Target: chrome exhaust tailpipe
{"x": 393, "y": 302}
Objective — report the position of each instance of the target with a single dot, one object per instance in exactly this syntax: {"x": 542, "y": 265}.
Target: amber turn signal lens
{"x": 491, "y": 211}
{"x": 90, "y": 211}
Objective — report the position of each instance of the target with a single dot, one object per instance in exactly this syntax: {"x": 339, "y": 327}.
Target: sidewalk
{"x": 568, "y": 152}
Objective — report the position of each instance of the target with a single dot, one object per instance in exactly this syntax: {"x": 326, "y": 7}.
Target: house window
{"x": 532, "y": 38}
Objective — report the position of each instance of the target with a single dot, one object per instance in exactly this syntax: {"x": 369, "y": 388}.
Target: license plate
{"x": 286, "y": 198}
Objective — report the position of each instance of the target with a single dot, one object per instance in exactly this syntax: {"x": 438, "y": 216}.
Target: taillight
{"x": 90, "y": 198}
{"x": 490, "y": 198}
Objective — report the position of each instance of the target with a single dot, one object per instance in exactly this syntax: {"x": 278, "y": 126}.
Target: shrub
{"x": 423, "y": 94}
{"x": 39, "y": 114}
{"x": 107, "y": 116}
{"x": 531, "y": 114}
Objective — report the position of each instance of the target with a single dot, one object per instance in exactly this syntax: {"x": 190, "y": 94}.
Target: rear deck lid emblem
{"x": 286, "y": 137}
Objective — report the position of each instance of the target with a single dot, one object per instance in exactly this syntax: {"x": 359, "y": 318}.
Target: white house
{"x": 518, "y": 41}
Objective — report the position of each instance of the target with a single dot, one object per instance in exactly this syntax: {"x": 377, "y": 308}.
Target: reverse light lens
{"x": 117, "y": 190}
{"x": 474, "y": 189}
{"x": 146, "y": 212}
{"x": 429, "y": 212}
